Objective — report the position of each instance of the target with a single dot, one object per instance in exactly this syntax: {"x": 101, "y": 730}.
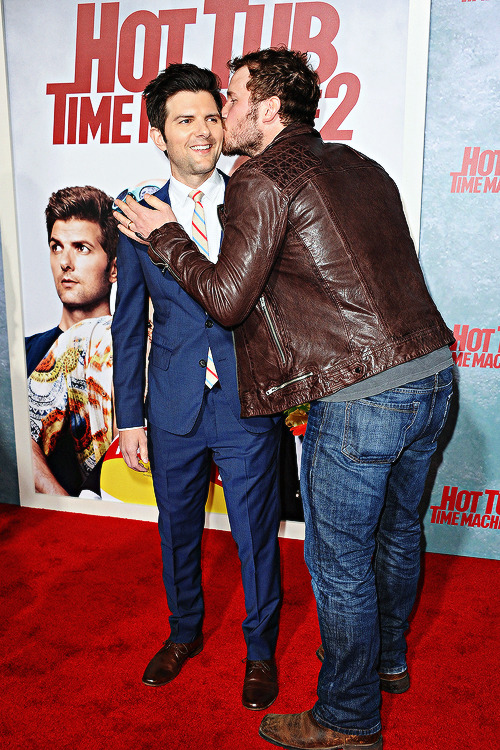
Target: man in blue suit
{"x": 192, "y": 406}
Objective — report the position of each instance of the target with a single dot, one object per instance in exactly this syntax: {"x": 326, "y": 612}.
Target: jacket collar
{"x": 290, "y": 131}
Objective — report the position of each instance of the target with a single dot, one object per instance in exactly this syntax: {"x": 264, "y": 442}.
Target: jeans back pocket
{"x": 375, "y": 433}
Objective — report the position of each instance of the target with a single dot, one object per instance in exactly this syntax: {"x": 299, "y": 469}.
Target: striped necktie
{"x": 199, "y": 234}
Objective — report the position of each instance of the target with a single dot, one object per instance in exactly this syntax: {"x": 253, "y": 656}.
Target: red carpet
{"x": 83, "y": 611}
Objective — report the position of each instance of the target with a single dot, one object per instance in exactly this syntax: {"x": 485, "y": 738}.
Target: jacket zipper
{"x": 274, "y": 334}
{"x": 165, "y": 265}
{"x": 288, "y": 382}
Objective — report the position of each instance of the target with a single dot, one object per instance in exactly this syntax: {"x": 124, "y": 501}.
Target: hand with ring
{"x": 144, "y": 218}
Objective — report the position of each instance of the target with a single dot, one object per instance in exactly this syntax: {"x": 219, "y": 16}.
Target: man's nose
{"x": 66, "y": 260}
{"x": 203, "y": 129}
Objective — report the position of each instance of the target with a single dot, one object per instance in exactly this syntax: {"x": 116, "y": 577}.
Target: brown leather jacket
{"x": 317, "y": 273}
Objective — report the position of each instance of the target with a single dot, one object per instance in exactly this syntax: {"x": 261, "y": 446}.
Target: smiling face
{"x": 80, "y": 267}
{"x": 242, "y": 134}
{"x": 192, "y": 136}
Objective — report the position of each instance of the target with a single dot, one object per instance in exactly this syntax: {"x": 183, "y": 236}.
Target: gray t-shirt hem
{"x": 395, "y": 377}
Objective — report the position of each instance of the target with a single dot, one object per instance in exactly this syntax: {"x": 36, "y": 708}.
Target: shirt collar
{"x": 210, "y": 187}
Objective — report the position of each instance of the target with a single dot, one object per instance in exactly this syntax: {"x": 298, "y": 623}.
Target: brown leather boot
{"x": 167, "y": 663}
{"x": 390, "y": 683}
{"x": 302, "y": 732}
{"x": 395, "y": 683}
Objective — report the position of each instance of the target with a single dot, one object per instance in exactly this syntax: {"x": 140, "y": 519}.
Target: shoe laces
{"x": 257, "y": 664}
{"x": 179, "y": 648}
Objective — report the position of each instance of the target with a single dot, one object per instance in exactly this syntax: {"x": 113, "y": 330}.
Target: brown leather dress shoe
{"x": 395, "y": 683}
{"x": 167, "y": 663}
{"x": 302, "y": 732}
{"x": 260, "y": 687}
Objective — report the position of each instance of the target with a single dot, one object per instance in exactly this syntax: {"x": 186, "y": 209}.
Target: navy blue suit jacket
{"x": 182, "y": 334}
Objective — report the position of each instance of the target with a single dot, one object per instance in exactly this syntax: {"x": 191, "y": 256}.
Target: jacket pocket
{"x": 292, "y": 381}
{"x": 273, "y": 330}
{"x": 159, "y": 356}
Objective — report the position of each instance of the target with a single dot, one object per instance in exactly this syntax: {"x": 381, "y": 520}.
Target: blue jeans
{"x": 364, "y": 466}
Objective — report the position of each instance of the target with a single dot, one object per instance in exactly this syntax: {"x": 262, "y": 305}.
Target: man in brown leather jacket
{"x": 319, "y": 277}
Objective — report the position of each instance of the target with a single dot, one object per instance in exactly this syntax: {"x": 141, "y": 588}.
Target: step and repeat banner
{"x": 75, "y": 73}
{"x": 78, "y": 119}
{"x": 460, "y": 253}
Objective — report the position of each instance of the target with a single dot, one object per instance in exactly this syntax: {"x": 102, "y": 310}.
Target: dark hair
{"x": 88, "y": 204}
{"x": 177, "y": 77}
{"x": 285, "y": 73}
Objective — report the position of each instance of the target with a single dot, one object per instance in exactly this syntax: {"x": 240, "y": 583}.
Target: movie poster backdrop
{"x": 77, "y": 116}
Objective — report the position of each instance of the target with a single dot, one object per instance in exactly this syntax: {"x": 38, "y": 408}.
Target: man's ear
{"x": 158, "y": 139}
{"x": 112, "y": 272}
{"x": 270, "y": 109}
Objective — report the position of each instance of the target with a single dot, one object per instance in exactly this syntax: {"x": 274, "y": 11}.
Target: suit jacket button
{"x": 209, "y": 323}
{"x": 203, "y": 363}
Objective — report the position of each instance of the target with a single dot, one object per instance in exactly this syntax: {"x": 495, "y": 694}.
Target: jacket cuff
{"x": 172, "y": 230}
